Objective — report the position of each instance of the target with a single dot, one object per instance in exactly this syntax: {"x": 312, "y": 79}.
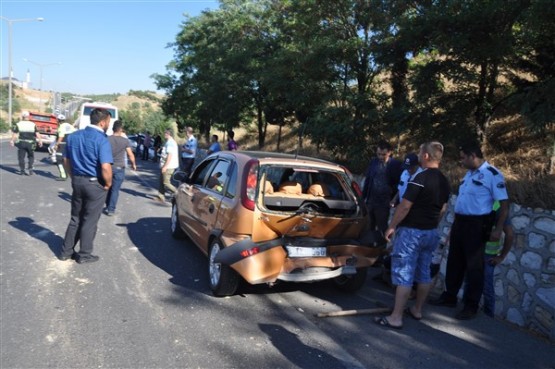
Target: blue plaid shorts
{"x": 412, "y": 255}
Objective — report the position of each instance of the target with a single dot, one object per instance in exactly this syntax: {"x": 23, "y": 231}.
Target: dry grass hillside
{"x": 523, "y": 157}
{"x": 124, "y": 102}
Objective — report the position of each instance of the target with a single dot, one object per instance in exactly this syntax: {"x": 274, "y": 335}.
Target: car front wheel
{"x": 176, "y": 230}
{"x": 223, "y": 280}
{"x": 351, "y": 283}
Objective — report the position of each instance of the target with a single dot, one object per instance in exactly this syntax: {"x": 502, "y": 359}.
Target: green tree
{"x": 132, "y": 121}
{"x": 348, "y": 73}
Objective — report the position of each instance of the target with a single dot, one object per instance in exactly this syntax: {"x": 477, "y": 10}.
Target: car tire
{"x": 222, "y": 279}
{"x": 351, "y": 283}
{"x": 177, "y": 232}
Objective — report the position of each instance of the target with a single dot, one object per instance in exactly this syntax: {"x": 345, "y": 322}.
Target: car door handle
{"x": 211, "y": 208}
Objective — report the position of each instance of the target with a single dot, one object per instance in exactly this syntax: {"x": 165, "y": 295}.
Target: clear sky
{"x": 104, "y": 47}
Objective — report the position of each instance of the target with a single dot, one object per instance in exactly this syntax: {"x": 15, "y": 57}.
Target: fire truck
{"x": 47, "y": 125}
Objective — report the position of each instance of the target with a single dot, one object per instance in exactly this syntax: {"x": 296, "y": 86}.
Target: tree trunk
{"x": 480, "y": 114}
{"x": 552, "y": 170}
{"x": 279, "y": 137}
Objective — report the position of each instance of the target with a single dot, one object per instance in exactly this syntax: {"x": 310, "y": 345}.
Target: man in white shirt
{"x": 189, "y": 151}
{"x": 169, "y": 162}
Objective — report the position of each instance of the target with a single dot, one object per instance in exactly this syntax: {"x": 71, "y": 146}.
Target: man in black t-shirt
{"x": 122, "y": 153}
{"x": 416, "y": 219}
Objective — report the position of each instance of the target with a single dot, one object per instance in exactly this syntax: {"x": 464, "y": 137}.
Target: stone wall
{"x": 525, "y": 281}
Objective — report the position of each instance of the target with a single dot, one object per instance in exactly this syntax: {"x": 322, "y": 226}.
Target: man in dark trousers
{"x": 25, "y": 137}
{"x": 416, "y": 237}
{"x": 88, "y": 159}
{"x": 472, "y": 228}
{"x": 380, "y": 185}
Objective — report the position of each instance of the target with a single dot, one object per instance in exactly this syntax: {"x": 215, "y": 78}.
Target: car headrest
{"x": 268, "y": 188}
{"x": 318, "y": 189}
{"x": 291, "y": 188}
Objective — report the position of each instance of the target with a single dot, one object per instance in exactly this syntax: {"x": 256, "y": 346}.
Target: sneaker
{"x": 160, "y": 198}
{"x": 107, "y": 212}
{"x": 19, "y": 172}
{"x": 466, "y": 313}
{"x": 61, "y": 179}
{"x": 31, "y": 172}
{"x": 86, "y": 259}
{"x": 26, "y": 172}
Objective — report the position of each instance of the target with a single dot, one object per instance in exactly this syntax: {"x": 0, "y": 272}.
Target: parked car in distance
{"x": 269, "y": 217}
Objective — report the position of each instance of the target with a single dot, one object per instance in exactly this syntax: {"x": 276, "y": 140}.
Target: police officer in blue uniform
{"x": 88, "y": 158}
{"x": 481, "y": 186}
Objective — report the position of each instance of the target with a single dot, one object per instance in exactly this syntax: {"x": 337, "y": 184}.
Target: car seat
{"x": 318, "y": 189}
{"x": 290, "y": 188}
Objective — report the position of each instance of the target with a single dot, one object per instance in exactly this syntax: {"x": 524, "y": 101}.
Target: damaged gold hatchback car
{"x": 269, "y": 217}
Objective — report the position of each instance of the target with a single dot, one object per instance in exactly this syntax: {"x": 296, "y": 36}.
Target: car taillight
{"x": 250, "y": 252}
{"x": 250, "y": 181}
{"x": 354, "y": 184}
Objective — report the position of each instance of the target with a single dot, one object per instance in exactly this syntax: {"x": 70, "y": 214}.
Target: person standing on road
{"x": 169, "y": 162}
{"x": 380, "y": 184}
{"x": 120, "y": 147}
{"x": 495, "y": 254}
{"x": 88, "y": 159}
{"x": 472, "y": 228}
{"x": 146, "y": 145}
{"x": 25, "y": 136}
{"x": 415, "y": 224}
{"x": 64, "y": 130}
{"x": 412, "y": 168}
{"x": 214, "y": 145}
{"x": 231, "y": 144}
{"x": 157, "y": 144}
{"x": 189, "y": 151}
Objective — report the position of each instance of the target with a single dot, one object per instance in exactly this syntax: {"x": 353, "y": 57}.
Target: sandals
{"x": 382, "y": 321}
{"x": 409, "y": 313}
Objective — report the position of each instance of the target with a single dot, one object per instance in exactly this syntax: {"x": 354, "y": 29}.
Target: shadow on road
{"x": 65, "y": 196}
{"x": 296, "y": 352}
{"x": 10, "y": 169}
{"x": 186, "y": 265}
{"x": 28, "y": 225}
{"x": 136, "y": 193}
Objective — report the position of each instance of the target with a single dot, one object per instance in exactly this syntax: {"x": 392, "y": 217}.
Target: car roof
{"x": 280, "y": 158}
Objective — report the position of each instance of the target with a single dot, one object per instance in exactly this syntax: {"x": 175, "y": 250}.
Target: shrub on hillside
{"x": 4, "y": 127}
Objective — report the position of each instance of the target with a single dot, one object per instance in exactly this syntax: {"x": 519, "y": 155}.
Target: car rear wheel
{"x": 177, "y": 232}
{"x": 351, "y": 283}
{"x": 223, "y": 280}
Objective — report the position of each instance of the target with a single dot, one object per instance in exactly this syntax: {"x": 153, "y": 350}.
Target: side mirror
{"x": 180, "y": 176}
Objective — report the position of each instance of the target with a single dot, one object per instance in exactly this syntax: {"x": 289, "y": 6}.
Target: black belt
{"x": 470, "y": 217}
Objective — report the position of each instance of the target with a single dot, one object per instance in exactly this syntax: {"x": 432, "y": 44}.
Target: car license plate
{"x": 302, "y": 252}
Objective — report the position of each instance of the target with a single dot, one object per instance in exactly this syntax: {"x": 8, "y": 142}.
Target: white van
{"x": 85, "y": 114}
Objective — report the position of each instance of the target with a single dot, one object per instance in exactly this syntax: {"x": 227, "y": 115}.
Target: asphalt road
{"x": 146, "y": 303}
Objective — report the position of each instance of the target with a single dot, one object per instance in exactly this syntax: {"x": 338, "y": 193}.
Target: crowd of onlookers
{"x": 419, "y": 192}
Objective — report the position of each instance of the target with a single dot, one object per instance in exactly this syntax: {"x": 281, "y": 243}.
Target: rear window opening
{"x": 306, "y": 190}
